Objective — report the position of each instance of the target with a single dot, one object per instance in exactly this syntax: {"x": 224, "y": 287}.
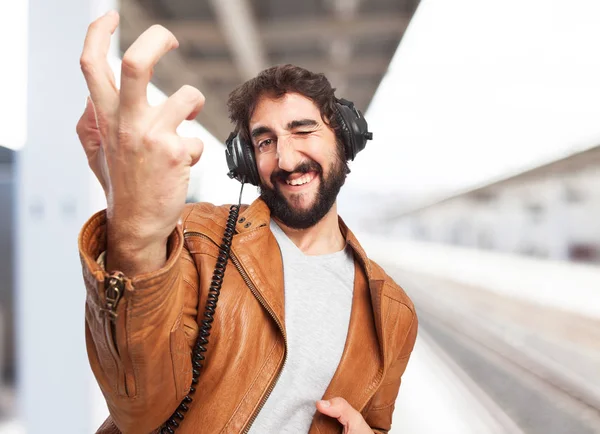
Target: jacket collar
{"x": 253, "y": 216}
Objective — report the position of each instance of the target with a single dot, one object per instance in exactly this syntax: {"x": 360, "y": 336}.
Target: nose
{"x": 288, "y": 157}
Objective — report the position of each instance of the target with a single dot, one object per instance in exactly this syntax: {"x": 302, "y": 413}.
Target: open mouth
{"x": 300, "y": 179}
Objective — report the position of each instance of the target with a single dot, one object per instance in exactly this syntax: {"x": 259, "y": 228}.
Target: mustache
{"x": 302, "y": 168}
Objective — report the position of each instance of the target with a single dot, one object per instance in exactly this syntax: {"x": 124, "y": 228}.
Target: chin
{"x": 302, "y": 203}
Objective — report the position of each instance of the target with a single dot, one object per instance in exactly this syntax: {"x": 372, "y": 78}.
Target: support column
{"x": 56, "y": 193}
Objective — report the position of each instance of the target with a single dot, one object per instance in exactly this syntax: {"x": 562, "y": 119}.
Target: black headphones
{"x": 354, "y": 129}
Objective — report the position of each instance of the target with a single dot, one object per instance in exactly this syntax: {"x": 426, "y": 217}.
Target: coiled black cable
{"x": 198, "y": 357}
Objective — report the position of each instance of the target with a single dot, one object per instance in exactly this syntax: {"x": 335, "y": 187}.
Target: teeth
{"x": 300, "y": 181}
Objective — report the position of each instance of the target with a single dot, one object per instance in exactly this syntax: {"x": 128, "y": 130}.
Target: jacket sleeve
{"x": 379, "y": 415}
{"x": 142, "y": 357}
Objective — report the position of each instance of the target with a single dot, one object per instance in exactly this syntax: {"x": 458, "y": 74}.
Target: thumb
{"x": 89, "y": 115}
{"x": 87, "y": 128}
{"x": 89, "y": 137}
{"x": 195, "y": 147}
{"x": 339, "y": 409}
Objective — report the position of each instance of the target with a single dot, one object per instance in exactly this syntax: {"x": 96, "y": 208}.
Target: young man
{"x": 309, "y": 334}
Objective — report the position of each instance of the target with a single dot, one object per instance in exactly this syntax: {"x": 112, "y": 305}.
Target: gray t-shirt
{"x": 318, "y": 300}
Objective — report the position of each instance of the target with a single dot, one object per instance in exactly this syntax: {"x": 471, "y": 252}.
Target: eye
{"x": 265, "y": 145}
{"x": 303, "y": 133}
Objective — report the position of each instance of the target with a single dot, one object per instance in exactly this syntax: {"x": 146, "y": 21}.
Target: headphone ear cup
{"x": 353, "y": 126}
{"x": 240, "y": 160}
{"x": 250, "y": 169}
{"x": 345, "y": 132}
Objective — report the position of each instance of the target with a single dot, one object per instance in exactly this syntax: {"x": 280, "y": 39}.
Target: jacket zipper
{"x": 115, "y": 285}
{"x": 114, "y": 288}
{"x": 250, "y": 285}
{"x": 264, "y": 304}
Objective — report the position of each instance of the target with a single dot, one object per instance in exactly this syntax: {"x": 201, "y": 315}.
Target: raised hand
{"x": 89, "y": 136}
{"x": 351, "y": 420}
{"x": 133, "y": 148}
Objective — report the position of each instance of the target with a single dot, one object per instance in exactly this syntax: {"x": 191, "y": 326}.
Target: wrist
{"x": 134, "y": 252}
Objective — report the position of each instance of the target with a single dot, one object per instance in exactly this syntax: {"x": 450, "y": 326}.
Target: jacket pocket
{"x": 111, "y": 343}
{"x": 103, "y": 358}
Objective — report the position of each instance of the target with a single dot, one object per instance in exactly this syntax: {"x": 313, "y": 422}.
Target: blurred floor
{"x": 541, "y": 367}
{"x": 438, "y": 397}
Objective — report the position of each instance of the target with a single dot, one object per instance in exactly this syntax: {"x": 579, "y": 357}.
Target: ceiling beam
{"x": 369, "y": 66}
{"x": 213, "y": 117}
{"x": 241, "y": 33}
{"x": 281, "y": 33}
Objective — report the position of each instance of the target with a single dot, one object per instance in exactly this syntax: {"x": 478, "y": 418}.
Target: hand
{"x": 89, "y": 136}
{"x": 351, "y": 420}
{"x": 133, "y": 148}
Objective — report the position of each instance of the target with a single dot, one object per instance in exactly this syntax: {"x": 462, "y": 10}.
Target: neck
{"x": 323, "y": 238}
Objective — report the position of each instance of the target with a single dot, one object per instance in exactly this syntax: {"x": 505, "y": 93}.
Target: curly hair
{"x": 276, "y": 82}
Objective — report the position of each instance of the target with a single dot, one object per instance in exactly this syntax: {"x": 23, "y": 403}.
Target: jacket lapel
{"x": 258, "y": 253}
{"x": 374, "y": 289}
{"x": 361, "y": 367}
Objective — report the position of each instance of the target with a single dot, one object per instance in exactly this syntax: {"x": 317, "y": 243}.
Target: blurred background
{"x": 480, "y": 193}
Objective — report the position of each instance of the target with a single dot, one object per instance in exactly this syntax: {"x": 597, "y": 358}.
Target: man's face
{"x": 301, "y": 166}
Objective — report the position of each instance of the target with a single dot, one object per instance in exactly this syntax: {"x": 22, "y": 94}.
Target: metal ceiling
{"x": 225, "y": 42}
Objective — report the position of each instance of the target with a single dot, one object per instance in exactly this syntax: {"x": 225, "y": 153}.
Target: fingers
{"x": 339, "y": 409}
{"x": 94, "y": 65}
{"x": 138, "y": 63}
{"x": 184, "y": 104}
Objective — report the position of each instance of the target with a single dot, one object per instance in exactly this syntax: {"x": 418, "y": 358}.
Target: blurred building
{"x": 551, "y": 211}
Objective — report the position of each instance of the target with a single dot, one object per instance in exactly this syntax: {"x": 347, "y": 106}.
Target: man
{"x": 304, "y": 318}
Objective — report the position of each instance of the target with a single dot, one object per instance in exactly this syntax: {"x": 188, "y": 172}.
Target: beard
{"x": 326, "y": 195}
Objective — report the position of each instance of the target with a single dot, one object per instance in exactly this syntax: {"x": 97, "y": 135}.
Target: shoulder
{"x": 375, "y": 272}
{"x": 401, "y": 316}
{"x": 202, "y": 210}
{"x": 205, "y": 216}
{"x": 391, "y": 288}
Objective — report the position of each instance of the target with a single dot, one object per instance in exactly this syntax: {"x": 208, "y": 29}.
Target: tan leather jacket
{"x": 142, "y": 360}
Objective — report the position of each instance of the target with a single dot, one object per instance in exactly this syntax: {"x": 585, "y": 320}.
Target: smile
{"x": 298, "y": 181}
